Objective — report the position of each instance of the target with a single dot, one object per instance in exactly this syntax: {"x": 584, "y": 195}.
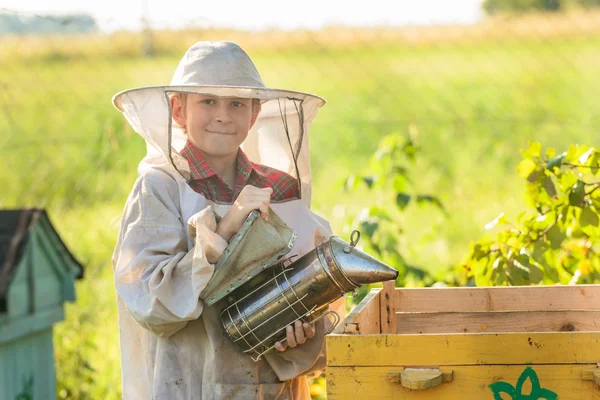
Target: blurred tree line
{"x": 492, "y": 7}
{"x": 15, "y": 24}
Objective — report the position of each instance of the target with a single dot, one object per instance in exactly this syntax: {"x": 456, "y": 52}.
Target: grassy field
{"x": 474, "y": 96}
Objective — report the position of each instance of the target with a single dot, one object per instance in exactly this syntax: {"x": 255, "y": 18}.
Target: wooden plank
{"x": 463, "y": 349}
{"x": 508, "y": 298}
{"x": 387, "y": 308}
{"x": 491, "y": 322}
{"x": 364, "y": 319}
{"x": 468, "y": 382}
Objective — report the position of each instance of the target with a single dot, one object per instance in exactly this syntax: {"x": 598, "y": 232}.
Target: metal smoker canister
{"x": 256, "y": 314}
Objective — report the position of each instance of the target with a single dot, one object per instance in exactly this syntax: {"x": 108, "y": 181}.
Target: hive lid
{"x": 256, "y": 246}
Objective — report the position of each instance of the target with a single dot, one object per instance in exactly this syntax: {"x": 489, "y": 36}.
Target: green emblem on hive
{"x": 516, "y": 392}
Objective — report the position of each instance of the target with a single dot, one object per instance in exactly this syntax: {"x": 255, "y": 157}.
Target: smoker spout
{"x": 359, "y": 267}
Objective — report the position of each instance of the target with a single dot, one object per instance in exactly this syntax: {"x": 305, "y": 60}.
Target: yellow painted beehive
{"x": 468, "y": 343}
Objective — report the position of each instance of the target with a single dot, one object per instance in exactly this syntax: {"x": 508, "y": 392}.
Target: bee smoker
{"x": 279, "y": 292}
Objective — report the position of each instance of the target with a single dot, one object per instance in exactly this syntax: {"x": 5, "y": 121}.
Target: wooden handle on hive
{"x": 421, "y": 378}
{"x": 592, "y": 375}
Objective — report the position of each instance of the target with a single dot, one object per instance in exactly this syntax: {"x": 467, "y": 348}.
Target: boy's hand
{"x": 250, "y": 198}
{"x": 296, "y": 334}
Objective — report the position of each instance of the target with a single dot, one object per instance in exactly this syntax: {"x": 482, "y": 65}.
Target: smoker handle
{"x": 336, "y": 320}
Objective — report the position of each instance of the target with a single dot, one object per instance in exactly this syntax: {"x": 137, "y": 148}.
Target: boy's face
{"x": 215, "y": 125}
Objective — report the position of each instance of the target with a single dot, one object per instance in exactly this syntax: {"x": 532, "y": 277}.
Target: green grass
{"x": 473, "y": 104}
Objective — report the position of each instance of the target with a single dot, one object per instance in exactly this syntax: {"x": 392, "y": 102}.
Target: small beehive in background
{"x": 37, "y": 275}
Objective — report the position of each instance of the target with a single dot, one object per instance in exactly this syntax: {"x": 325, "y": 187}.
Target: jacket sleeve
{"x": 156, "y": 274}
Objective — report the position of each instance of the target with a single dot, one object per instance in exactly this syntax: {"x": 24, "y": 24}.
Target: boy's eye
{"x": 237, "y": 104}
{"x": 208, "y": 101}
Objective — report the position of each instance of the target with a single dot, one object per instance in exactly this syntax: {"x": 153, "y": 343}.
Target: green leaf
{"x": 517, "y": 274}
{"x": 369, "y": 180}
{"x": 574, "y": 152}
{"x": 534, "y": 273}
{"x": 595, "y": 163}
{"x": 534, "y": 150}
{"x": 534, "y": 178}
{"x": 400, "y": 183}
{"x": 369, "y": 227}
{"x": 567, "y": 180}
{"x": 577, "y": 194}
{"x": 390, "y": 244}
{"x": 555, "y": 237}
{"x": 499, "y": 276}
{"x": 380, "y": 213}
{"x": 588, "y": 217}
{"x": 555, "y": 162}
{"x": 409, "y": 149}
{"x": 402, "y": 200}
{"x": 480, "y": 252}
{"x": 482, "y": 273}
{"x": 526, "y": 168}
{"x": 427, "y": 199}
{"x": 549, "y": 186}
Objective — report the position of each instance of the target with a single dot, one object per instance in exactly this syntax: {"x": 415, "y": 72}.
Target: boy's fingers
{"x": 249, "y": 189}
{"x": 264, "y": 210}
{"x": 279, "y": 346}
{"x": 289, "y": 335}
{"x": 309, "y": 330}
{"x": 300, "y": 338}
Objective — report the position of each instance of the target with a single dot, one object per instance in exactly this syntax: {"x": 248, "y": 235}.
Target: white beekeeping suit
{"x": 172, "y": 343}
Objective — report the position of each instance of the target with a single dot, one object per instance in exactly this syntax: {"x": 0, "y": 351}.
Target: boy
{"x": 196, "y": 187}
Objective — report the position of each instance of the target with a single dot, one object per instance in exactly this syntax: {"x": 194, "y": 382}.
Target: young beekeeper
{"x": 219, "y": 145}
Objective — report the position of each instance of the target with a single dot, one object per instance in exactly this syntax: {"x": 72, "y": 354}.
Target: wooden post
{"x": 147, "y": 47}
{"x": 387, "y": 297}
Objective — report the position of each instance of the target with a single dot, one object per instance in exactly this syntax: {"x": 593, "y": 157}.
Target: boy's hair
{"x": 256, "y": 105}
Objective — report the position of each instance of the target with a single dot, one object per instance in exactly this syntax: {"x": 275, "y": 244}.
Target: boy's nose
{"x": 222, "y": 115}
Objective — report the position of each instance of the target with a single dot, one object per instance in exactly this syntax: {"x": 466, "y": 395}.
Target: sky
{"x": 257, "y": 14}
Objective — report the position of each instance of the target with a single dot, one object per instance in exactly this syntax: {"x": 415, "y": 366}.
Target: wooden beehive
{"x": 468, "y": 343}
{"x": 37, "y": 275}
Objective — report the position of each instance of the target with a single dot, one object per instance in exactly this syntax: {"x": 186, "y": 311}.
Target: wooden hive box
{"x": 37, "y": 275}
{"x": 468, "y": 343}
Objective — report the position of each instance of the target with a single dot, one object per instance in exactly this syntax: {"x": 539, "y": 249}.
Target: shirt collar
{"x": 200, "y": 169}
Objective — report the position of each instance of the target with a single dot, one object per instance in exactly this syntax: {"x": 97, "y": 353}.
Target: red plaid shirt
{"x": 204, "y": 179}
